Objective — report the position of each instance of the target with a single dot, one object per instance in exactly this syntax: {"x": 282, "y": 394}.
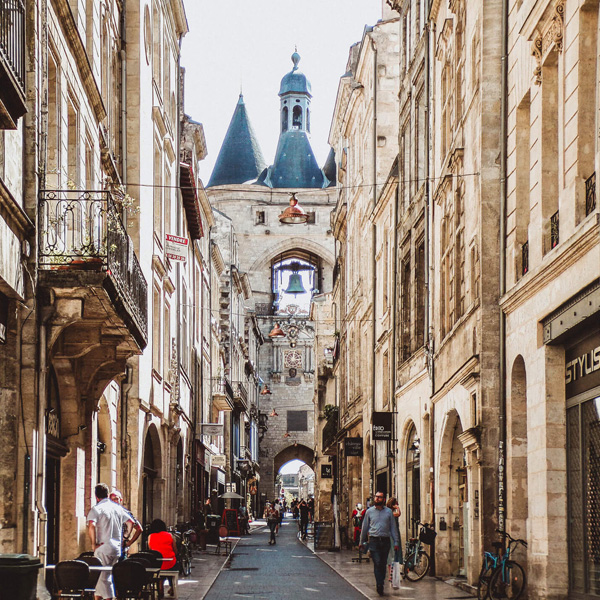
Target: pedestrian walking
{"x": 304, "y": 512}
{"x": 357, "y": 519}
{"x": 311, "y": 509}
{"x": 378, "y": 527}
{"x": 394, "y": 555}
{"x": 272, "y": 522}
{"x": 105, "y": 523}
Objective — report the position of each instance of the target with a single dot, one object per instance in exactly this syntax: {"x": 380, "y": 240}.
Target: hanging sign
{"x": 353, "y": 446}
{"x": 382, "y": 425}
{"x": 326, "y": 471}
{"x": 219, "y": 460}
{"x": 176, "y": 248}
{"x": 212, "y": 428}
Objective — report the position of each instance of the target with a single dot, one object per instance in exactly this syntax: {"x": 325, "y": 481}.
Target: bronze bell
{"x": 295, "y": 285}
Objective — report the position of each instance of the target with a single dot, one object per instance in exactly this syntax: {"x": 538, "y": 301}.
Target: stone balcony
{"x": 92, "y": 288}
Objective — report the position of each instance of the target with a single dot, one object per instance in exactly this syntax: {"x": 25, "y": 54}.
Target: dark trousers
{"x": 303, "y": 528}
{"x": 272, "y": 526}
{"x": 379, "y": 547}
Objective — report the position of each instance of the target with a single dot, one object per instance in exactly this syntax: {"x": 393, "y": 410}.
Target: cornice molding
{"x": 535, "y": 281}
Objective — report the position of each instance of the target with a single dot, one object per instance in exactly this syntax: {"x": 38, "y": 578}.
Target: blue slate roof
{"x": 295, "y": 82}
{"x": 240, "y": 158}
{"x": 295, "y": 165}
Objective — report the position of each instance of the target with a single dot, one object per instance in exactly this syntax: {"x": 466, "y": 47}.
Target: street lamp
{"x": 293, "y": 214}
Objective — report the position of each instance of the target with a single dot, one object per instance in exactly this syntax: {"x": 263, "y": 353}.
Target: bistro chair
{"x": 224, "y": 540}
{"x": 153, "y": 557}
{"x": 71, "y": 577}
{"x": 91, "y": 561}
{"x": 129, "y": 579}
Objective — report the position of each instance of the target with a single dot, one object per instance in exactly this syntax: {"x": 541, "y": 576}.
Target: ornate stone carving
{"x": 549, "y": 39}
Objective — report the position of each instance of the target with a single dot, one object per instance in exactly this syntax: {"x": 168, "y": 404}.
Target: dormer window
{"x": 297, "y": 117}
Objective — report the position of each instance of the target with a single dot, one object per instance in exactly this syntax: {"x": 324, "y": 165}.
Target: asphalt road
{"x": 286, "y": 571}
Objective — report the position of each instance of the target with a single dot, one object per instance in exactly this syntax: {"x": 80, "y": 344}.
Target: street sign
{"x": 326, "y": 471}
{"x": 353, "y": 446}
{"x": 382, "y": 425}
{"x": 176, "y": 248}
{"x": 212, "y": 428}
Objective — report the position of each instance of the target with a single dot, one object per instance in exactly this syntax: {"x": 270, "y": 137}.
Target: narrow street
{"x": 288, "y": 570}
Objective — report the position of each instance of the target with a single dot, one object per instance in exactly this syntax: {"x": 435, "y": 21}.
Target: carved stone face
{"x": 292, "y": 372}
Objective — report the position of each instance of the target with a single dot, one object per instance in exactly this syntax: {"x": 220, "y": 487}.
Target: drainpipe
{"x": 429, "y": 273}
{"x": 502, "y": 349}
{"x": 123, "y": 105}
{"x": 394, "y": 321}
{"x": 373, "y": 260}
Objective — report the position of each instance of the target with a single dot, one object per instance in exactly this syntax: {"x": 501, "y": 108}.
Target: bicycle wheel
{"x": 186, "y": 562}
{"x": 420, "y": 567}
{"x": 483, "y": 583}
{"x": 507, "y": 582}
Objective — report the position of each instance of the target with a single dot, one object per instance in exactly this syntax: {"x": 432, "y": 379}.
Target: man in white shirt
{"x": 105, "y": 528}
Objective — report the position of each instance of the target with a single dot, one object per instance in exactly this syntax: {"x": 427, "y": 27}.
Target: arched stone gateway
{"x": 293, "y": 452}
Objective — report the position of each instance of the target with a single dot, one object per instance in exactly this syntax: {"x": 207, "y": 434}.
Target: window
{"x": 420, "y": 293}
{"x": 405, "y": 320}
{"x": 311, "y": 218}
{"x": 158, "y": 221}
{"x": 73, "y": 146}
{"x": 284, "y": 118}
{"x": 297, "y": 420}
{"x": 166, "y": 341}
{"x": 522, "y": 183}
{"x": 297, "y": 117}
{"x": 260, "y": 217}
{"x": 53, "y": 125}
{"x": 156, "y": 346}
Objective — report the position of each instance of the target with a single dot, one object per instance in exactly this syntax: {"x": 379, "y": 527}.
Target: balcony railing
{"x": 525, "y": 258}
{"x": 82, "y": 230}
{"x": 554, "y": 230}
{"x": 330, "y": 431}
{"x": 240, "y": 395}
{"x": 12, "y": 37}
{"x": 590, "y": 194}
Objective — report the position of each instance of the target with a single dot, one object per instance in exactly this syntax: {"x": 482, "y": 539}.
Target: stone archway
{"x": 293, "y": 452}
{"x": 452, "y": 490}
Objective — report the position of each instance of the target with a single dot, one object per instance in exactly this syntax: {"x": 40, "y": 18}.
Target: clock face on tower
{"x": 292, "y": 359}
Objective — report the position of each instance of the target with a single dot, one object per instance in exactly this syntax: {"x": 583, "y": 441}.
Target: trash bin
{"x": 202, "y": 533}
{"x": 18, "y": 573}
{"x": 213, "y": 523}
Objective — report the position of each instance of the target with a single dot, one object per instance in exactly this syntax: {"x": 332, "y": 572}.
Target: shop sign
{"x": 353, "y": 446}
{"x": 382, "y": 425}
{"x": 582, "y": 366}
{"x": 212, "y": 428}
{"x": 326, "y": 471}
{"x": 176, "y": 248}
{"x": 219, "y": 461}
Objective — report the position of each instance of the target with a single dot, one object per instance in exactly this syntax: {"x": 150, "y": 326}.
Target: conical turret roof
{"x": 240, "y": 158}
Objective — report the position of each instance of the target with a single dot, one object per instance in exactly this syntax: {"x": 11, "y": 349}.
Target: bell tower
{"x": 295, "y": 95}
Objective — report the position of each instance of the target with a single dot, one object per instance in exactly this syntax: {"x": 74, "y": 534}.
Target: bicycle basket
{"x": 427, "y": 535}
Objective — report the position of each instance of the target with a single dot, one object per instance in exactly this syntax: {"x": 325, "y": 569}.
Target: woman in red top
{"x": 162, "y": 541}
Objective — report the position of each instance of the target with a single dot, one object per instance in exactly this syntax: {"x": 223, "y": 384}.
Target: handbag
{"x": 396, "y": 575}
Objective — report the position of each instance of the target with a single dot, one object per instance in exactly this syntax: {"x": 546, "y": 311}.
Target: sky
{"x": 247, "y": 45}
{"x": 291, "y": 467}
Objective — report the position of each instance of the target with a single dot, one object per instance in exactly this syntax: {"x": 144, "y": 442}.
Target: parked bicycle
{"x": 184, "y": 551}
{"x": 416, "y": 559}
{"x": 500, "y": 577}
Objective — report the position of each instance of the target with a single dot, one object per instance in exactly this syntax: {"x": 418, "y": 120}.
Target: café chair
{"x": 91, "y": 561}
{"x": 71, "y": 578}
{"x": 129, "y": 579}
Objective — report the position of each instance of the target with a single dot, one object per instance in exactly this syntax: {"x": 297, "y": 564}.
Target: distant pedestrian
{"x": 378, "y": 527}
{"x": 394, "y": 555}
{"x": 311, "y": 509}
{"x": 129, "y": 535}
{"x": 272, "y": 522}
{"x": 303, "y": 518}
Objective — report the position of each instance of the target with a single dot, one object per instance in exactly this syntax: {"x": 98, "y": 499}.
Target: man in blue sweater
{"x": 379, "y": 526}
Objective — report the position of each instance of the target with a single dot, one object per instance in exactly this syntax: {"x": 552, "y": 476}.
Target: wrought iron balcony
{"x": 12, "y": 62}
{"x": 554, "y": 230}
{"x": 83, "y": 231}
{"x": 240, "y": 396}
{"x": 590, "y": 194}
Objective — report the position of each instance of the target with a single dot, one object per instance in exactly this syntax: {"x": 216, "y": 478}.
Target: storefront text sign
{"x": 326, "y": 471}
{"x": 212, "y": 428}
{"x": 353, "y": 446}
{"x": 582, "y": 365}
{"x": 219, "y": 460}
{"x": 176, "y": 248}
{"x": 382, "y": 426}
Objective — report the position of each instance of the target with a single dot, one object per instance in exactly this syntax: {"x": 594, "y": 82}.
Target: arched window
{"x": 284, "y": 119}
{"x": 297, "y": 117}
{"x": 308, "y": 120}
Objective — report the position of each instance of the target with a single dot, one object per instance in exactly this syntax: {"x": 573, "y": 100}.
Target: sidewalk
{"x": 360, "y": 576}
{"x": 206, "y": 566}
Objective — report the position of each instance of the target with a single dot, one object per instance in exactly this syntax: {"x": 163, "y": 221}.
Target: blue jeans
{"x": 379, "y": 548}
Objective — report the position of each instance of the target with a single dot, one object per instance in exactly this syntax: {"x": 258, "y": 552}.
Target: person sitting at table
{"x": 162, "y": 541}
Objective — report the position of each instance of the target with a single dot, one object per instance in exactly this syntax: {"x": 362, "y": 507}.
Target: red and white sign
{"x": 176, "y": 248}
